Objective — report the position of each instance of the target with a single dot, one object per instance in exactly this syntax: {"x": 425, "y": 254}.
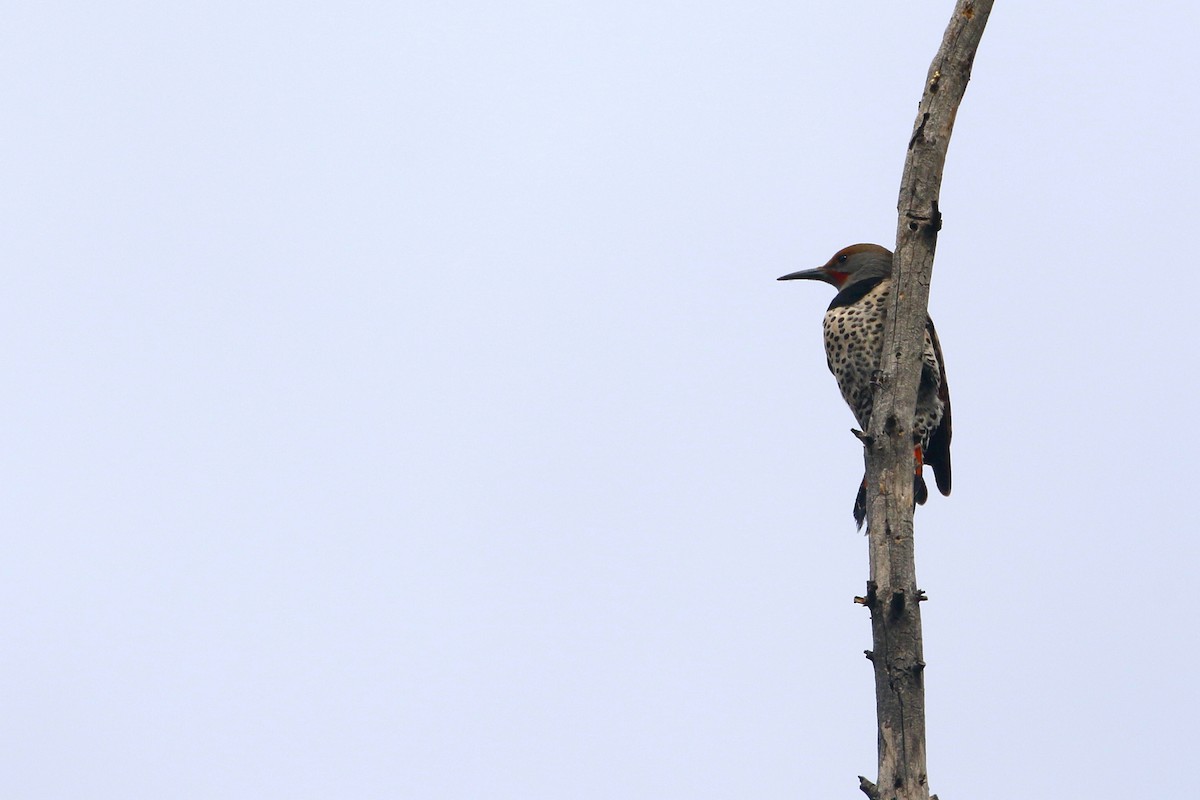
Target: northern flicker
{"x": 862, "y": 274}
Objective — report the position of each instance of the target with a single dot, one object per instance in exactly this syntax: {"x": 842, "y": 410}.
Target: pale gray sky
{"x": 401, "y": 403}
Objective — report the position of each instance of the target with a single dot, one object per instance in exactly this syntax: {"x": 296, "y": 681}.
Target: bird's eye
{"x": 842, "y": 258}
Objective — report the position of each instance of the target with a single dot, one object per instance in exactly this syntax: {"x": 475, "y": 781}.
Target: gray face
{"x": 849, "y": 265}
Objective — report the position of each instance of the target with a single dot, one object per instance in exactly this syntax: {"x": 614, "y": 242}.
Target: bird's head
{"x": 858, "y": 262}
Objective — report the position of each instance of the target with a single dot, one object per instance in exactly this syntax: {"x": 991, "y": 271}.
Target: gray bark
{"x": 892, "y": 593}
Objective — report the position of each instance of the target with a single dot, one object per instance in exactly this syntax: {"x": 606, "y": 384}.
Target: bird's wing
{"x": 938, "y": 454}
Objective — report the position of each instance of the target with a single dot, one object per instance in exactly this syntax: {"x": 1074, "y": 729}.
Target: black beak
{"x": 818, "y": 274}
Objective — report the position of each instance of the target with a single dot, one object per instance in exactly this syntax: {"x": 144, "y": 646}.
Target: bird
{"x": 853, "y": 328}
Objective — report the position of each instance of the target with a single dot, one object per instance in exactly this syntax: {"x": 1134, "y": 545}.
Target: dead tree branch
{"x": 892, "y": 594}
